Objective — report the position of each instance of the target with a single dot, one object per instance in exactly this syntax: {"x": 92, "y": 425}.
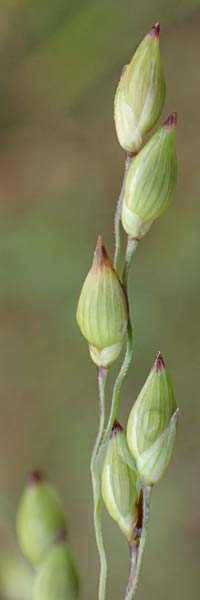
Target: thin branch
{"x": 96, "y": 484}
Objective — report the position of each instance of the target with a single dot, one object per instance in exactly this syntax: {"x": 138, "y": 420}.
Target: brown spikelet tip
{"x": 100, "y": 255}
{"x": 36, "y": 477}
{"x": 61, "y": 536}
{"x": 159, "y": 362}
{"x": 155, "y": 31}
{"x": 171, "y": 120}
{"x": 116, "y": 428}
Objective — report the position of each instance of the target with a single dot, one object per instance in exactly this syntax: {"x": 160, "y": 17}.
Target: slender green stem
{"x": 120, "y": 378}
{"x": 96, "y": 484}
{"x": 133, "y": 563}
{"x": 103, "y": 437}
{"x": 131, "y": 247}
{"x": 136, "y": 567}
{"x": 102, "y": 377}
{"x": 117, "y": 220}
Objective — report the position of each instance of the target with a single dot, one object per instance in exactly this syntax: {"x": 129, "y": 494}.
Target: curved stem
{"x": 96, "y": 484}
{"x": 102, "y": 437}
{"x": 136, "y": 567}
{"x": 102, "y": 377}
{"x": 117, "y": 219}
{"x": 131, "y": 247}
{"x": 120, "y": 378}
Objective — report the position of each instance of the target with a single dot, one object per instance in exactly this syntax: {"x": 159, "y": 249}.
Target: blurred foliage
{"x": 60, "y": 174}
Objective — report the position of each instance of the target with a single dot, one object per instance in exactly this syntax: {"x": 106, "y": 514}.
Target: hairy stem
{"x": 117, "y": 219}
{"x": 136, "y": 562}
{"x": 96, "y": 484}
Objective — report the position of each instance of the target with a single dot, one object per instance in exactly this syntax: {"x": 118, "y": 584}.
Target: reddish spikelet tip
{"x": 171, "y": 120}
{"x": 159, "y": 362}
{"x": 61, "y": 537}
{"x": 36, "y": 477}
{"x": 116, "y": 428}
{"x": 100, "y": 255}
{"x": 155, "y": 31}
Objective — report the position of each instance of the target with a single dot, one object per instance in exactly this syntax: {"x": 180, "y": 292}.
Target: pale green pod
{"x": 56, "y": 578}
{"x": 140, "y": 94}
{"x": 151, "y": 181}
{"x": 119, "y": 483}
{"x": 102, "y": 312}
{"x": 39, "y": 518}
{"x": 151, "y": 425}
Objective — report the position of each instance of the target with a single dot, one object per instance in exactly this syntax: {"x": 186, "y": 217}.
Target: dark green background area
{"x": 60, "y": 174}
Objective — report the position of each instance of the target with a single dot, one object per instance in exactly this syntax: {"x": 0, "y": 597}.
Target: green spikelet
{"x": 150, "y": 182}
{"x": 56, "y": 577}
{"x": 102, "y": 312}
{"x": 151, "y": 425}
{"x": 39, "y": 517}
{"x": 140, "y": 94}
{"x": 119, "y": 489}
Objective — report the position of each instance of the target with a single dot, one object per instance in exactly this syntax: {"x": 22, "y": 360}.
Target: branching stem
{"x": 131, "y": 247}
{"x": 103, "y": 435}
{"x": 117, "y": 219}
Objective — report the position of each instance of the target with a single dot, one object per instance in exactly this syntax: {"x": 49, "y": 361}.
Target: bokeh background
{"x": 60, "y": 174}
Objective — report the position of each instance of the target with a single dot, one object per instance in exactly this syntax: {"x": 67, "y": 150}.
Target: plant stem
{"x": 102, "y": 375}
{"x": 96, "y": 484}
{"x": 136, "y": 566}
{"x": 133, "y": 562}
{"x": 131, "y": 247}
{"x": 117, "y": 219}
{"x": 120, "y": 378}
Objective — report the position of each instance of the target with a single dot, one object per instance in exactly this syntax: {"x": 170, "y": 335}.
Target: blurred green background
{"x": 60, "y": 174}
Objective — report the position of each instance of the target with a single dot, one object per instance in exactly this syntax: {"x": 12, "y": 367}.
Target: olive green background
{"x": 60, "y": 174}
